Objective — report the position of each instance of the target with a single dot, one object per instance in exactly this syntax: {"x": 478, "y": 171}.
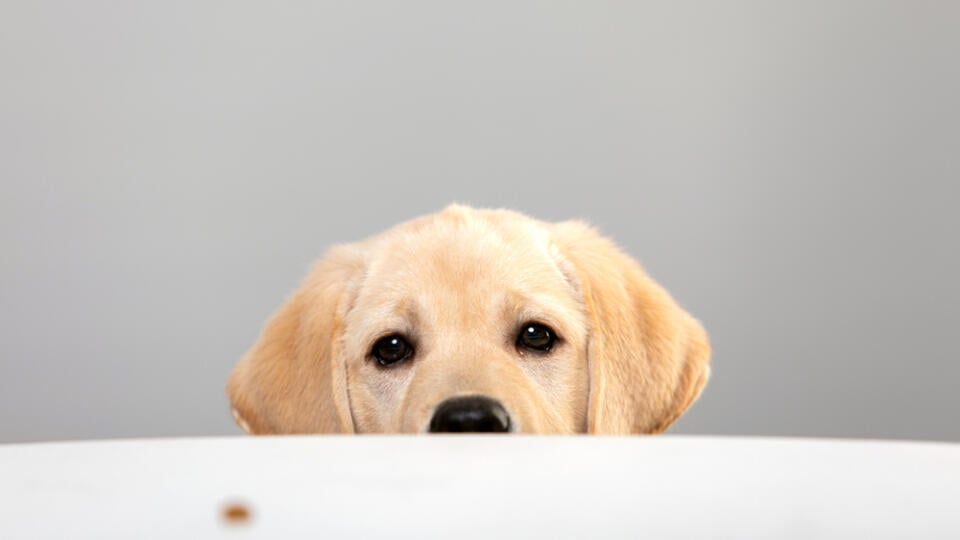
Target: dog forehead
{"x": 452, "y": 252}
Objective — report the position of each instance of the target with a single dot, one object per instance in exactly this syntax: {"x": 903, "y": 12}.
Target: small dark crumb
{"x": 236, "y": 513}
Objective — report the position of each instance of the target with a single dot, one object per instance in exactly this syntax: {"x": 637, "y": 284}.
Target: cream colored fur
{"x": 459, "y": 284}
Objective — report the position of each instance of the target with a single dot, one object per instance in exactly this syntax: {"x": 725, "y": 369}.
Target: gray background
{"x": 789, "y": 170}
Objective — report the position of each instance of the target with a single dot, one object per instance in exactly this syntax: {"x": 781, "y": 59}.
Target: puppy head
{"x": 473, "y": 319}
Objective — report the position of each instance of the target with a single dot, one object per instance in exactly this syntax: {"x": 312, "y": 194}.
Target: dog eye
{"x": 391, "y": 349}
{"x": 536, "y": 337}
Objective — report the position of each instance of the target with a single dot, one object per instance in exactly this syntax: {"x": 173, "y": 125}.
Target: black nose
{"x": 470, "y": 414}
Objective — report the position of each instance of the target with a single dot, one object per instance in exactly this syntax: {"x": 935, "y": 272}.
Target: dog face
{"x": 474, "y": 320}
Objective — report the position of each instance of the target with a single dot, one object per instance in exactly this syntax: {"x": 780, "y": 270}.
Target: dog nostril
{"x": 471, "y": 414}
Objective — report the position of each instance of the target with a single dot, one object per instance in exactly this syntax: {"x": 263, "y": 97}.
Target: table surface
{"x": 480, "y": 487}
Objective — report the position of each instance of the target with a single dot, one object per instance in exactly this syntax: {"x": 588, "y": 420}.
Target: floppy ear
{"x": 649, "y": 359}
{"x": 293, "y": 379}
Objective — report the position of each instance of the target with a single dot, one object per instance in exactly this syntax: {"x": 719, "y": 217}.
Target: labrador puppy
{"x": 474, "y": 321}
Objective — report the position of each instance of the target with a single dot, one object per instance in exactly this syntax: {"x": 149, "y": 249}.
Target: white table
{"x": 481, "y": 487}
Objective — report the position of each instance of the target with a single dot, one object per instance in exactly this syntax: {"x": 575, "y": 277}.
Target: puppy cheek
{"x": 557, "y": 396}
{"x": 376, "y": 398}
{"x": 415, "y": 418}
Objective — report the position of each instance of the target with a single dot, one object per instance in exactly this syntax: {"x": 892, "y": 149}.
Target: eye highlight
{"x": 391, "y": 350}
{"x": 536, "y": 337}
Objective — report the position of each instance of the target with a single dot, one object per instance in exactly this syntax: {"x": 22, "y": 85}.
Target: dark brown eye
{"x": 391, "y": 350}
{"x": 536, "y": 337}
